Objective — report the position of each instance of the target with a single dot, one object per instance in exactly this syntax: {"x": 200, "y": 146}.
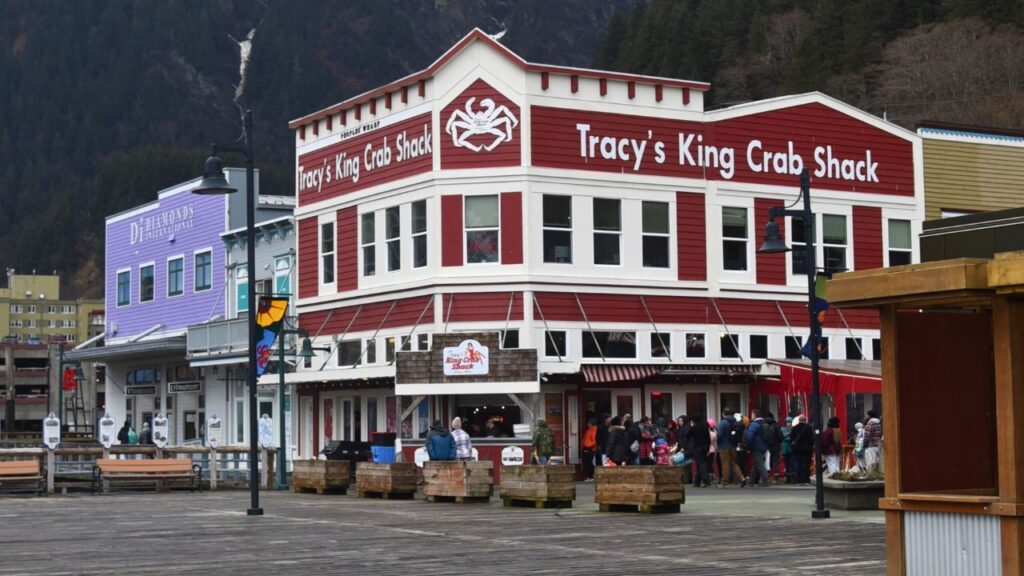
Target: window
{"x": 481, "y": 222}
{"x": 32, "y": 324}
{"x": 612, "y": 344}
{"x": 349, "y": 352}
{"x": 69, "y": 338}
{"x": 327, "y": 253}
{"x": 51, "y": 323}
{"x": 823, "y": 348}
{"x": 51, "y": 309}
{"x": 146, "y": 283}
{"x": 876, "y": 348}
{"x": 834, "y": 241}
{"x": 695, "y": 345}
{"x": 661, "y": 345}
{"x": 655, "y": 234}
{"x": 389, "y": 349}
{"x": 554, "y": 343}
{"x": 282, "y": 275}
{"x": 15, "y": 323}
{"x": 204, "y": 271}
{"x": 31, "y": 309}
{"x": 366, "y": 240}
{"x": 175, "y": 277}
{"x": 734, "y": 238}
{"x": 853, "y": 351}
{"x": 730, "y": 345}
{"x": 508, "y": 339}
{"x": 899, "y": 242}
{"x": 371, "y": 351}
{"x": 15, "y": 308}
{"x": 798, "y": 243}
{"x": 67, "y": 309}
{"x": 758, "y": 346}
{"x": 124, "y": 287}
{"x": 607, "y": 230}
{"x": 793, "y": 345}
{"x": 241, "y": 289}
{"x": 419, "y": 234}
{"x": 558, "y": 229}
{"x": 423, "y": 342}
{"x": 393, "y": 234}
{"x": 63, "y": 323}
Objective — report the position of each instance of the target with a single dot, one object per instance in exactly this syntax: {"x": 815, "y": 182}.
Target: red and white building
{"x": 606, "y": 220}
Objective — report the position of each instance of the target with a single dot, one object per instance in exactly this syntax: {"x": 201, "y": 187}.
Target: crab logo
{"x": 495, "y": 122}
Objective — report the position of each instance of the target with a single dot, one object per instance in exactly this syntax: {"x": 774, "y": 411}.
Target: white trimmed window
{"x": 759, "y": 346}
{"x": 15, "y": 308}
{"x": 371, "y": 351}
{"x": 695, "y": 345}
{"x": 555, "y": 344}
{"x": 482, "y": 218}
{"x": 51, "y": 323}
{"x": 661, "y": 345}
{"x": 146, "y": 283}
{"x": 241, "y": 289}
{"x": 203, "y": 264}
{"x": 327, "y": 253}
{"x": 176, "y": 276}
{"x": 419, "y": 234}
{"x": 656, "y": 234}
{"x": 350, "y": 352}
{"x": 557, "y": 229}
{"x": 798, "y": 243}
{"x": 124, "y": 287}
{"x": 607, "y": 231}
{"x": 900, "y": 249}
{"x": 367, "y": 236}
{"x": 393, "y": 237}
{"x": 735, "y": 237}
{"x": 31, "y": 309}
{"x": 834, "y": 241}
{"x": 730, "y": 345}
{"x": 51, "y": 309}
{"x": 609, "y": 344}
{"x": 282, "y": 275}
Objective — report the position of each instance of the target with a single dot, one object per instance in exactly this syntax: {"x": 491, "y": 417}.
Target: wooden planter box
{"x": 458, "y": 481}
{"x": 322, "y": 476}
{"x": 386, "y": 480}
{"x": 539, "y": 486}
{"x": 649, "y": 489}
{"x": 843, "y": 495}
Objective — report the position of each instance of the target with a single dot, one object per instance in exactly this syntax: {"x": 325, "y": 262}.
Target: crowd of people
{"x": 749, "y": 451}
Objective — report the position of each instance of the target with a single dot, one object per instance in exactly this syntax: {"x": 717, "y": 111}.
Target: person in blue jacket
{"x": 757, "y": 439}
{"x": 440, "y": 444}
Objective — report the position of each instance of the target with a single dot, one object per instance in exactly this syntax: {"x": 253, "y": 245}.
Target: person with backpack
{"x": 832, "y": 445}
{"x": 729, "y": 470}
{"x": 699, "y": 441}
{"x": 122, "y": 434}
{"x": 440, "y": 444}
{"x": 618, "y": 451}
{"x": 543, "y": 442}
{"x": 632, "y": 438}
{"x": 802, "y": 438}
{"x": 756, "y": 436}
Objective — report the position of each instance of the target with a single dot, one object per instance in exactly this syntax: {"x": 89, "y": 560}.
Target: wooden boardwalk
{"x": 306, "y": 534}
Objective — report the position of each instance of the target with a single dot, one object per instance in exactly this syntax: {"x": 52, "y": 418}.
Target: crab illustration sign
{"x": 481, "y": 129}
{"x": 469, "y": 358}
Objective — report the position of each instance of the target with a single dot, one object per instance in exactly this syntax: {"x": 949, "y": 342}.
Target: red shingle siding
{"x": 771, "y": 268}
{"x": 481, "y": 306}
{"x": 307, "y": 258}
{"x": 348, "y": 249}
{"x": 451, "y": 230}
{"x": 691, "y": 240}
{"x": 511, "y": 228}
{"x": 867, "y": 237}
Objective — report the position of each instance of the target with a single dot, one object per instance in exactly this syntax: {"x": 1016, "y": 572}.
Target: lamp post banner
{"x": 269, "y": 316}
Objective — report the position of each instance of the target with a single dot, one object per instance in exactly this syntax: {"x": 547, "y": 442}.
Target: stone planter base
{"x": 842, "y": 495}
{"x": 321, "y": 476}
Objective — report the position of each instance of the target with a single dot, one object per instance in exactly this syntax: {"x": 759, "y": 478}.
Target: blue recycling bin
{"x": 383, "y": 453}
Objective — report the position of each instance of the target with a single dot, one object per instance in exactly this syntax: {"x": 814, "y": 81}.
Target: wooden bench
{"x": 135, "y": 472}
{"x": 24, "y": 473}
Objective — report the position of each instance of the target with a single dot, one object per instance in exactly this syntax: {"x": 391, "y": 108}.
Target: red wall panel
{"x": 462, "y": 115}
{"x": 348, "y": 249}
{"x": 691, "y": 241}
{"x": 306, "y": 256}
{"x": 405, "y": 313}
{"x": 481, "y": 306}
{"x": 771, "y": 268}
{"x": 867, "y": 237}
{"x": 451, "y": 230}
{"x": 511, "y": 228}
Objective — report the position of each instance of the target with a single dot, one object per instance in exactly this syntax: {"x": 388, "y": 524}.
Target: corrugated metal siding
{"x": 511, "y": 228}
{"x": 451, "y": 230}
{"x": 970, "y": 176}
{"x": 348, "y": 250}
{"x": 939, "y": 544}
{"x": 771, "y": 268}
{"x": 307, "y": 259}
{"x": 867, "y": 237}
{"x": 691, "y": 242}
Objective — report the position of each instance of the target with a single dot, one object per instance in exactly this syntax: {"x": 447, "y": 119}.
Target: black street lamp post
{"x": 773, "y": 244}
{"x": 214, "y": 183}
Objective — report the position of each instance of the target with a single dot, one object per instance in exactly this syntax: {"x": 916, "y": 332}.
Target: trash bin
{"x": 383, "y": 446}
{"x": 344, "y": 450}
{"x": 383, "y": 438}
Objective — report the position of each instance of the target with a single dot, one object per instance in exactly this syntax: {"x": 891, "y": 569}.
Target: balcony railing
{"x": 223, "y": 337}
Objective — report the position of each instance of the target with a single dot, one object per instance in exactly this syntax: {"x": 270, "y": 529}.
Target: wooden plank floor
{"x": 171, "y": 533}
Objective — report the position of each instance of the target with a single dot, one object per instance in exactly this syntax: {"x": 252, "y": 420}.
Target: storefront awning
{"x": 604, "y": 373}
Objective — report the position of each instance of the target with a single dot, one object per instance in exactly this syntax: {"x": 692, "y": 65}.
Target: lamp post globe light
{"x": 773, "y": 244}
{"x": 213, "y": 182}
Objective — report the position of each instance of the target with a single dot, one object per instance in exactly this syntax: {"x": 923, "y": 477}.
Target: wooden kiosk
{"x": 953, "y": 411}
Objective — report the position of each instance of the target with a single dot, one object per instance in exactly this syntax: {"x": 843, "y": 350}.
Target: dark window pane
{"x": 393, "y": 220}
{"x": 852, "y": 351}
{"x": 694, "y": 345}
{"x": 661, "y": 345}
{"x": 349, "y": 352}
{"x": 796, "y": 230}
{"x": 509, "y": 339}
{"x": 203, "y": 271}
{"x": 557, "y": 211}
{"x": 419, "y": 251}
{"x": 898, "y": 258}
{"x": 146, "y": 284}
{"x": 482, "y": 246}
{"x": 730, "y": 346}
{"x": 368, "y": 227}
{"x": 655, "y": 217}
{"x": 606, "y": 249}
{"x": 734, "y": 222}
{"x": 558, "y": 246}
{"x": 734, "y": 255}
{"x": 833, "y": 229}
{"x": 799, "y": 259}
{"x": 394, "y": 255}
{"x": 607, "y": 214}
{"x": 612, "y": 344}
{"x": 327, "y": 238}
{"x": 419, "y": 216}
{"x": 327, "y": 262}
{"x": 835, "y": 259}
{"x": 758, "y": 346}
{"x": 371, "y": 351}
{"x": 793, "y": 344}
{"x": 656, "y": 251}
{"x": 876, "y": 348}
{"x": 554, "y": 343}
{"x": 369, "y": 260}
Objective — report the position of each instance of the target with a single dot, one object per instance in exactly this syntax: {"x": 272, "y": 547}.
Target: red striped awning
{"x": 602, "y": 373}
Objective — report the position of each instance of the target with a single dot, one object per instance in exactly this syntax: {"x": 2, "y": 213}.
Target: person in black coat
{"x": 699, "y": 439}
{"x": 618, "y": 449}
{"x": 602, "y": 438}
{"x": 632, "y": 435}
{"x": 802, "y": 439}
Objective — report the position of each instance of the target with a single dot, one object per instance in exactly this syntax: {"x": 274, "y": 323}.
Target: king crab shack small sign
{"x": 469, "y": 358}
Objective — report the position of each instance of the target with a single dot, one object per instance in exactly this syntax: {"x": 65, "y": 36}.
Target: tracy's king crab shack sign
{"x": 469, "y": 358}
